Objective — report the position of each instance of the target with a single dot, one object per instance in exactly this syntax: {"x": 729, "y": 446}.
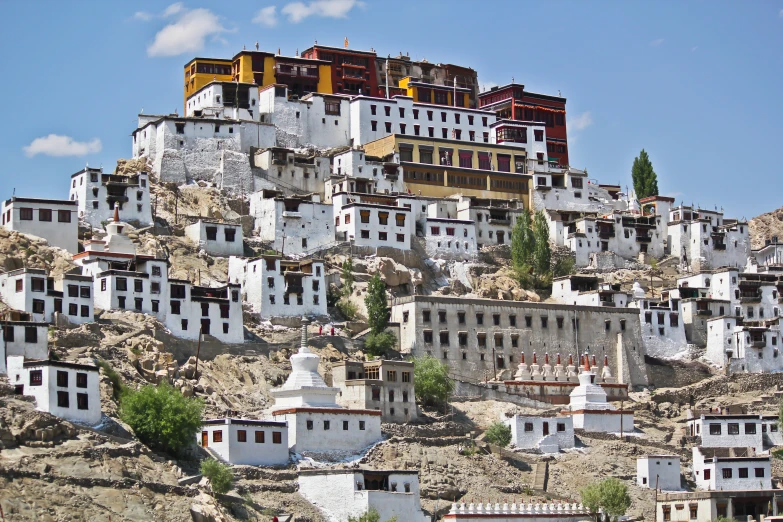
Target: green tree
{"x": 431, "y": 379}
{"x": 161, "y": 416}
{"x": 542, "y": 252}
{"x": 498, "y": 434}
{"x": 379, "y": 344}
{"x": 615, "y": 499}
{"x": 609, "y": 495}
{"x": 645, "y": 181}
{"x": 219, "y": 475}
{"x": 522, "y": 242}
{"x": 377, "y": 307}
{"x": 347, "y": 276}
{"x": 371, "y": 515}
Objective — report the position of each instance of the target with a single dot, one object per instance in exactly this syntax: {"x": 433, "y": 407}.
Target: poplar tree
{"x": 645, "y": 181}
{"x": 522, "y": 242}
{"x": 542, "y": 252}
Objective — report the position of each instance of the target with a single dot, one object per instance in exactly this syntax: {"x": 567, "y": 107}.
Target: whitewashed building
{"x": 591, "y": 411}
{"x": 23, "y": 338}
{"x": 493, "y": 219}
{"x": 752, "y": 296}
{"x": 663, "y": 327}
{"x": 54, "y": 220}
{"x": 759, "y": 432}
{"x": 290, "y": 172}
{"x": 294, "y": 224}
{"x": 354, "y": 171}
{"x": 658, "y": 471}
{"x": 770, "y": 255}
{"x": 343, "y": 493}
{"x": 706, "y": 506}
{"x": 373, "y": 220}
{"x": 31, "y": 290}
{"x": 97, "y": 193}
{"x": 246, "y": 442}
{"x": 571, "y": 190}
{"x": 216, "y": 237}
{"x": 316, "y": 119}
{"x": 543, "y": 434}
{"x": 277, "y": 287}
{"x": 64, "y": 389}
{"x": 224, "y": 101}
{"x": 317, "y": 425}
{"x": 377, "y": 385}
{"x": 627, "y": 235}
{"x": 731, "y": 469}
{"x": 739, "y": 347}
{"x": 703, "y": 239}
{"x": 587, "y": 290}
{"x": 453, "y": 239}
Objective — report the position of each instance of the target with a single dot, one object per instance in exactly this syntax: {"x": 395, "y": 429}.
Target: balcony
{"x": 606, "y": 234}
{"x": 758, "y": 344}
{"x": 112, "y": 198}
{"x": 122, "y": 181}
{"x": 608, "y": 304}
{"x": 643, "y": 239}
{"x": 294, "y": 289}
{"x": 704, "y": 312}
{"x": 498, "y": 221}
{"x": 291, "y": 214}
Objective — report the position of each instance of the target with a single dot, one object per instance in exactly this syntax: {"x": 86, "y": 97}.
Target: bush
{"x": 371, "y": 515}
{"x": 377, "y": 306}
{"x": 220, "y": 476}
{"x": 116, "y": 381}
{"x": 347, "y": 309}
{"x": 610, "y": 495}
{"x": 161, "y": 416}
{"x": 432, "y": 381}
{"x": 379, "y": 344}
{"x": 498, "y": 434}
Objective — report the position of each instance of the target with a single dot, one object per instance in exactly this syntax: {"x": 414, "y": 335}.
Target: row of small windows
{"x": 260, "y": 436}
{"x": 426, "y": 316}
{"x": 327, "y": 425}
{"x": 44, "y": 214}
{"x": 733, "y": 428}
{"x": 430, "y": 115}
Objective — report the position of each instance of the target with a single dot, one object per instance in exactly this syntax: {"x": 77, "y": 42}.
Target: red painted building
{"x": 512, "y": 102}
{"x": 353, "y": 72}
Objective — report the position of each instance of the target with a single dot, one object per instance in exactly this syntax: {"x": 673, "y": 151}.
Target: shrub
{"x": 379, "y": 344}
{"x": 220, "y": 476}
{"x": 371, "y": 515}
{"x": 347, "y": 309}
{"x": 432, "y": 381}
{"x": 347, "y": 276}
{"x": 161, "y": 416}
{"x": 377, "y": 306}
{"x": 116, "y": 381}
{"x": 610, "y": 495}
{"x": 498, "y": 434}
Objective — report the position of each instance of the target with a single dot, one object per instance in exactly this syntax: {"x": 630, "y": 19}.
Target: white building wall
{"x": 663, "y": 327}
{"x": 90, "y": 189}
{"x": 288, "y": 173}
{"x": 308, "y": 228}
{"x": 662, "y": 471}
{"x": 19, "y": 340}
{"x": 529, "y": 433}
{"x": 371, "y": 233}
{"x": 335, "y": 439}
{"x": 717, "y": 480}
{"x": 61, "y": 230}
{"x": 46, "y": 395}
{"x": 75, "y": 303}
{"x": 450, "y": 239}
{"x": 209, "y": 100}
{"x": 227, "y": 239}
{"x": 250, "y": 452}
{"x": 706, "y": 427}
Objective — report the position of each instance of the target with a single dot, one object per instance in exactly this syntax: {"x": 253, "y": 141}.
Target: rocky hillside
{"x": 766, "y": 226}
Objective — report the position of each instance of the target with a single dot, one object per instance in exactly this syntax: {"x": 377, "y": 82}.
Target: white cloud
{"x": 143, "y": 16}
{"x": 266, "y": 16}
{"x": 187, "y": 34}
{"x": 581, "y": 122}
{"x": 298, "y": 11}
{"x": 173, "y": 9}
{"x": 694, "y": 48}
{"x": 57, "y": 145}
{"x": 656, "y": 43}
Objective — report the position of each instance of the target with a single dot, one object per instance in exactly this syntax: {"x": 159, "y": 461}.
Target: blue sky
{"x": 694, "y": 83}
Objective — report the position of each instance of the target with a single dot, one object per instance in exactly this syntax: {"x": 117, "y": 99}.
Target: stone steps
{"x": 540, "y": 476}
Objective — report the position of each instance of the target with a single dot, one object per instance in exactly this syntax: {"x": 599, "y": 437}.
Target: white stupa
{"x": 590, "y": 409}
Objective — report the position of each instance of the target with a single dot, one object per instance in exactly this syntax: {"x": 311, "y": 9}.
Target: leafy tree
{"x": 615, "y": 499}
{"x": 347, "y": 276}
{"x": 220, "y": 476}
{"x": 564, "y": 265}
{"x": 431, "y": 377}
{"x": 380, "y": 343}
{"x": 542, "y": 252}
{"x": 645, "y": 181}
{"x": 375, "y": 301}
{"x": 161, "y": 416}
{"x": 609, "y": 495}
{"x": 498, "y": 434}
{"x": 371, "y": 515}
{"x": 522, "y": 242}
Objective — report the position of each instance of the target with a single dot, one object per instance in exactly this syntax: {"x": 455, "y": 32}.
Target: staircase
{"x": 540, "y": 476}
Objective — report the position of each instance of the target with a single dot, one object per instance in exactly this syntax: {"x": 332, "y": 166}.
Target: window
{"x": 121, "y": 284}
{"x": 82, "y": 401}
{"x": 309, "y": 425}
{"x": 63, "y": 399}
{"x": 121, "y": 302}
{"x": 30, "y": 334}
{"x": 62, "y": 379}
{"x": 750, "y": 428}
{"x": 37, "y": 284}
{"x": 496, "y": 319}
{"x": 81, "y": 380}
{"x": 727, "y": 473}
{"x": 479, "y": 318}
{"x": 428, "y": 336}
{"x": 361, "y": 425}
{"x": 560, "y": 323}
{"x": 230, "y": 234}
{"x": 184, "y": 324}
{"x": 714, "y": 429}
{"x": 561, "y": 427}
{"x": 528, "y": 427}
{"x": 374, "y": 125}
{"x": 63, "y": 216}
{"x": 138, "y": 303}
{"x": 391, "y": 375}
{"x": 277, "y": 437}
{"x": 241, "y": 436}
{"x": 544, "y": 322}
{"x": 743, "y": 472}
{"x": 444, "y": 339}
{"x": 707, "y": 474}
{"x": 693, "y": 508}
{"x": 175, "y": 307}
{"x": 733, "y": 428}
{"x": 38, "y": 306}
{"x": 44, "y": 214}
{"x": 260, "y": 437}
{"x": 217, "y": 436}
{"x": 759, "y": 472}
{"x": 26, "y": 214}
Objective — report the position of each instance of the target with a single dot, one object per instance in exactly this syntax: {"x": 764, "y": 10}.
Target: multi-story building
{"x": 569, "y": 190}
{"x": 436, "y": 167}
{"x": 64, "y": 389}
{"x": 377, "y": 385}
{"x": 97, "y": 193}
{"x": 423, "y": 91}
{"x": 759, "y": 432}
{"x": 201, "y": 71}
{"x": 373, "y": 220}
{"x": 316, "y": 119}
{"x": 291, "y": 172}
{"x": 401, "y": 66}
{"x": 277, "y": 287}
{"x": 493, "y": 218}
{"x": 513, "y": 102}
{"x": 663, "y": 325}
{"x": 743, "y": 347}
{"x": 266, "y": 445}
{"x": 354, "y": 171}
{"x": 54, "y": 220}
{"x": 448, "y": 238}
{"x": 627, "y": 235}
{"x": 341, "y": 494}
{"x": 22, "y": 337}
{"x": 217, "y": 237}
{"x": 716, "y": 469}
{"x": 293, "y": 224}
{"x": 770, "y": 256}
{"x": 478, "y": 338}
{"x": 751, "y": 296}
{"x": 586, "y": 290}
{"x": 300, "y": 75}
{"x": 353, "y": 72}
{"x": 224, "y": 100}
{"x": 660, "y": 472}
{"x": 705, "y": 506}
{"x": 32, "y": 291}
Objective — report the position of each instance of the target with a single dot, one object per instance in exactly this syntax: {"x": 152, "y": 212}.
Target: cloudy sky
{"x": 696, "y": 84}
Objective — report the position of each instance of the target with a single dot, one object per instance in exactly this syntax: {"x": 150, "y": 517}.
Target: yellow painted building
{"x": 201, "y": 71}
{"x": 438, "y": 94}
{"x": 440, "y": 168}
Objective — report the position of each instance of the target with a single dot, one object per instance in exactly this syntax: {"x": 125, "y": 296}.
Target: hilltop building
{"x": 54, "y": 220}
{"x": 97, "y": 193}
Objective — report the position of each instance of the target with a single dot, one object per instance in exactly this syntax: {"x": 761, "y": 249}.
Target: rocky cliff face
{"x": 766, "y": 226}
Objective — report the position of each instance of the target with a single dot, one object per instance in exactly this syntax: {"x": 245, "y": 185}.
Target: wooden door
{"x": 204, "y": 439}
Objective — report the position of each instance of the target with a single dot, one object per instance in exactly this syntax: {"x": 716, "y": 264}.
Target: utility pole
{"x": 198, "y": 351}
{"x": 656, "y": 496}
{"x": 622, "y": 401}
